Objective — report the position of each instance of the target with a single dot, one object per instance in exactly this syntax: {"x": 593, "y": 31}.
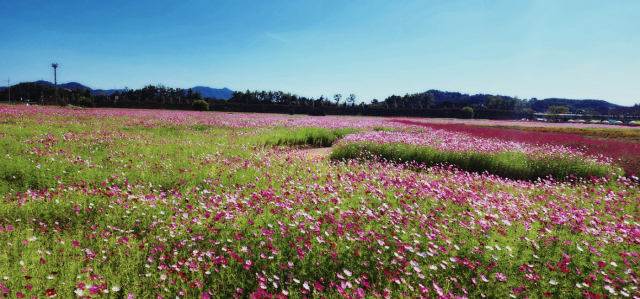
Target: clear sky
{"x": 564, "y": 48}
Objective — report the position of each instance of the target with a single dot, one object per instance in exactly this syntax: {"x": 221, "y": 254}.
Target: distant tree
{"x": 200, "y": 105}
{"x": 247, "y": 97}
{"x": 553, "y": 113}
{"x": 337, "y": 97}
{"x": 429, "y": 99}
{"x": 518, "y": 104}
{"x": 375, "y": 102}
{"x": 197, "y": 96}
{"x": 86, "y": 102}
{"x": 351, "y": 99}
{"x": 236, "y": 97}
{"x": 467, "y": 112}
{"x": 286, "y": 98}
{"x": 317, "y": 112}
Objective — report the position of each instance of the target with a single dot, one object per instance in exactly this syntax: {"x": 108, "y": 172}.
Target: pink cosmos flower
{"x": 94, "y": 289}
{"x": 501, "y": 277}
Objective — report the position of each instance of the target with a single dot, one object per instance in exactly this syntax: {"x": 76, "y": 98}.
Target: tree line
{"x": 284, "y": 98}
{"x": 162, "y": 97}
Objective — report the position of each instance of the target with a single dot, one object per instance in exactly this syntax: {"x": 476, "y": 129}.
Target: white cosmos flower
{"x": 553, "y": 282}
{"x": 624, "y": 293}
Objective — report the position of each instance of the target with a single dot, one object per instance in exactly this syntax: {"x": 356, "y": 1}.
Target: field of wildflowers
{"x": 508, "y": 159}
{"x": 106, "y": 203}
{"x": 620, "y": 145}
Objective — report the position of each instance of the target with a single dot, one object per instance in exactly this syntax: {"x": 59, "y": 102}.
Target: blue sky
{"x": 373, "y": 49}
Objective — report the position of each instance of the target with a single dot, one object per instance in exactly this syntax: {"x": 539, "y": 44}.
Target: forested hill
{"x": 207, "y": 92}
{"x": 440, "y": 97}
{"x": 574, "y": 105}
{"x": 431, "y": 98}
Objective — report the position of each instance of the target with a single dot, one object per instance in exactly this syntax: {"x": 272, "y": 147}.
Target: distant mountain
{"x": 97, "y": 92}
{"x": 207, "y": 92}
{"x": 535, "y": 104}
{"x": 574, "y": 105}
{"x": 70, "y": 85}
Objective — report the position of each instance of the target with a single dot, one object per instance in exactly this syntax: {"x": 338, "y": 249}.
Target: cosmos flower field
{"x": 101, "y": 203}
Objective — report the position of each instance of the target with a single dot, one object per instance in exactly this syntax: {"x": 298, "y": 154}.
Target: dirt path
{"x": 316, "y": 153}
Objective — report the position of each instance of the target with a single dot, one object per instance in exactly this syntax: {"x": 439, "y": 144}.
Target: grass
{"x": 623, "y": 152}
{"x": 206, "y": 211}
{"x": 508, "y": 165}
{"x": 316, "y": 137}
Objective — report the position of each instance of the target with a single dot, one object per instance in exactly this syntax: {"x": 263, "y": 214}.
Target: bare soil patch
{"x": 316, "y": 153}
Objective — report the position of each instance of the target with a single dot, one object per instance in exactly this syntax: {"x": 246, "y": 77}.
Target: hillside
{"x": 534, "y": 104}
{"x": 207, "y": 92}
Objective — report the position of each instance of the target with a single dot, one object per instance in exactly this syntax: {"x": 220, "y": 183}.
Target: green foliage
{"x": 200, "y": 105}
{"x": 558, "y": 110}
{"x": 86, "y": 102}
{"x": 317, "y": 112}
{"x": 62, "y": 102}
{"x": 509, "y": 165}
{"x": 317, "y": 137}
{"x": 555, "y": 111}
{"x": 467, "y": 112}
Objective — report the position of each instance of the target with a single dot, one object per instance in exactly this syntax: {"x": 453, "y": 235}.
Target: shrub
{"x": 316, "y": 137}
{"x": 86, "y": 102}
{"x": 509, "y": 165}
{"x": 467, "y": 112}
{"x": 62, "y": 103}
{"x": 292, "y": 111}
{"x": 200, "y": 105}
{"x": 316, "y": 112}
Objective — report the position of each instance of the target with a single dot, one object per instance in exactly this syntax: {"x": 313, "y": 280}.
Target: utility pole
{"x": 55, "y": 80}
{"x": 9, "y": 83}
